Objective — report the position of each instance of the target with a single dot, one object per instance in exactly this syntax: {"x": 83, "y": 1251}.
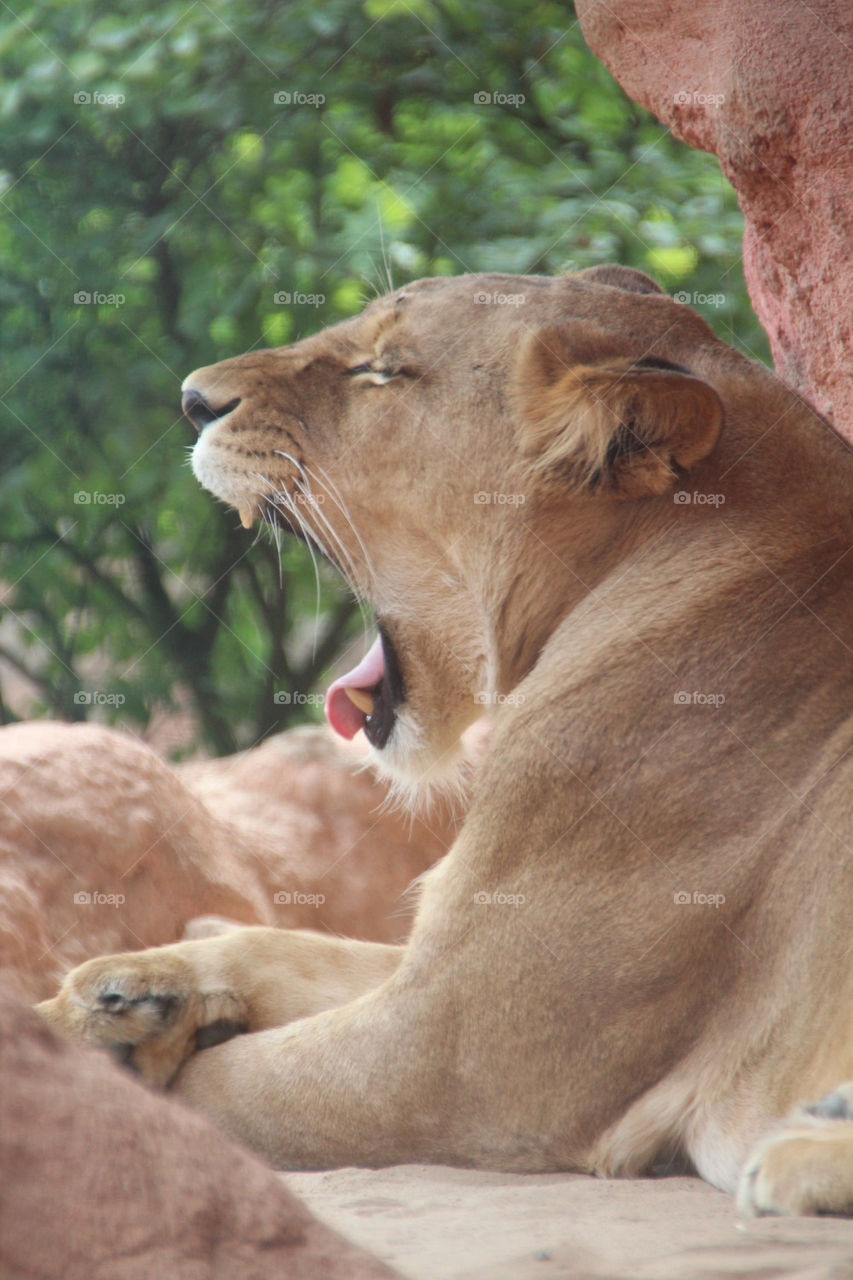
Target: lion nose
{"x": 201, "y": 412}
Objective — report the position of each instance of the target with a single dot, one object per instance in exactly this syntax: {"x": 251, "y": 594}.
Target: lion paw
{"x": 146, "y": 1009}
{"x": 806, "y": 1166}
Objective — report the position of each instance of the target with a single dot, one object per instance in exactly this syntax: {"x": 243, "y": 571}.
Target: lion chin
{"x": 578, "y": 514}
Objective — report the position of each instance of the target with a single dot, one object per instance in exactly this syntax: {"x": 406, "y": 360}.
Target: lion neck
{"x": 550, "y": 561}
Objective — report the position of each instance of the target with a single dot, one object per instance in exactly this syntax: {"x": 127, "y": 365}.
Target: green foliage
{"x": 185, "y": 183}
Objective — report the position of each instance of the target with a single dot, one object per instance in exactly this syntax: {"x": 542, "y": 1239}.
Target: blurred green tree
{"x": 183, "y": 184}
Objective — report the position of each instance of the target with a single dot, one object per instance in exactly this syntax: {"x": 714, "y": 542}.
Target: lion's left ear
{"x": 612, "y": 423}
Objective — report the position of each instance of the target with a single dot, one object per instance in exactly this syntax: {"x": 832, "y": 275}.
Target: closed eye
{"x": 375, "y": 377}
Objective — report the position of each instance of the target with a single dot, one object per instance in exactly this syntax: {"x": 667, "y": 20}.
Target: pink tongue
{"x": 344, "y": 716}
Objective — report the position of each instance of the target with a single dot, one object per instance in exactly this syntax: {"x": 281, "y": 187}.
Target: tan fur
{"x": 640, "y": 943}
{"x": 654, "y": 420}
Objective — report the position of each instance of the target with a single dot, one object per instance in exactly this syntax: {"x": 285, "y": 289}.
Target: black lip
{"x": 388, "y": 694}
{"x": 201, "y": 412}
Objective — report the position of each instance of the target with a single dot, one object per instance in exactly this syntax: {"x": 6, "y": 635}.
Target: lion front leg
{"x": 364, "y": 1084}
{"x": 154, "y": 1009}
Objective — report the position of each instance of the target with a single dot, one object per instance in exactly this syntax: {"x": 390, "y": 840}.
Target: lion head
{"x": 472, "y": 454}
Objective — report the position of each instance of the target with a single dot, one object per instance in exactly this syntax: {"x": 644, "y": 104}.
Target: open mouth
{"x": 368, "y": 696}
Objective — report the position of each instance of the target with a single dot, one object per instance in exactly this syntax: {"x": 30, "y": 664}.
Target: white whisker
{"x": 344, "y": 556}
{"x": 292, "y": 508}
{"x": 347, "y": 561}
{"x": 263, "y": 495}
{"x": 386, "y": 261}
{"x": 336, "y": 496}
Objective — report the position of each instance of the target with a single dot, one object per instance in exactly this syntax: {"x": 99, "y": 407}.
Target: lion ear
{"x": 611, "y": 424}
{"x": 618, "y": 277}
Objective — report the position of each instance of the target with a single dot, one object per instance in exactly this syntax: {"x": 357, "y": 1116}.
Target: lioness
{"x": 567, "y": 499}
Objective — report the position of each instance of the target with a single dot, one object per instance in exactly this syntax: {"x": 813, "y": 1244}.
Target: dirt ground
{"x": 436, "y": 1223}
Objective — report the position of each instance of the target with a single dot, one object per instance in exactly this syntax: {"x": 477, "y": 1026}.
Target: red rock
{"x": 766, "y": 87}
{"x": 102, "y": 1178}
{"x": 86, "y": 810}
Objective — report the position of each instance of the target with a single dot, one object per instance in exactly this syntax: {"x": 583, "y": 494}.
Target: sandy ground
{"x": 435, "y": 1223}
